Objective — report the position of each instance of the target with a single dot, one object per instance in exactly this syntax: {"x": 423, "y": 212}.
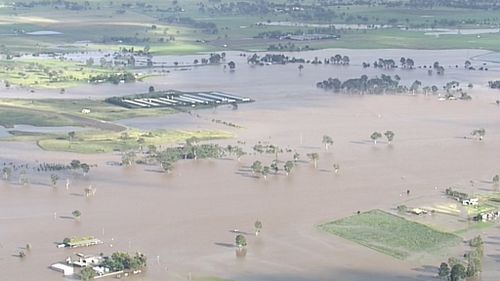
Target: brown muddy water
{"x": 183, "y": 221}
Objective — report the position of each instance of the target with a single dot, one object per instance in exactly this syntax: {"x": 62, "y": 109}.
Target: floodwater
{"x": 452, "y": 31}
{"x": 4, "y": 132}
{"x": 269, "y": 82}
{"x": 44, "y": 33}
{"x": 182, "y": 221}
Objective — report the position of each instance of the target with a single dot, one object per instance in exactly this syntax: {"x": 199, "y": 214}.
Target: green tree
{"x": 85, "y": 168}
{"x": 389, "y": 135}
{"x": 258, "y": 227}
{"x": 336, "y": 168}
{"x": 128, "y": 158}
{"x": 87, "y": 274}
{"x": 327, "y": 141}
{"x": 6, "y": 172}
{"x": 296, "y": 157}
{"x": 314, "y": 157}
{"x": 458, "y": 272}
{"x": 167, "y": 166}
{"x": 288, "y": 167}
{"x": 496, "y": 179}
{"x": 76, "y": 214}
{"x": 54, "y": 178}
{"x": 241, "y": 241}
{"x": 444, "y": 271}
{"x": 375, "y": 136}
{"x": 265, "y": 171}
{"x": 256, "y": 167}
{"x": 71, "y": 135}
{"x": 274, "y": 166}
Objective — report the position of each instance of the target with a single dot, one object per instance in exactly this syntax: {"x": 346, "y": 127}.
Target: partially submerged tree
{"x": 258, "y": 227}
{"x": 375, "y": 136}
{"x": 480, "y": 133}
{"x": 389, "y": 135}
{"x": 288, "y": 167}
{"x": 327, "y": 141}
{"x": 241, "y": 241}
{"x": 314, "y": 157}
{"x": 6, "y": 172}
{"x": 76, "y": 214}
{"x": 54, "y": 178}
{"x": 496, "y": 179}
{"x": 167, "y": 166}
{"x": 265, "y": 171}
{"x": 336, "y": 168}
{"x": 256, "y": 167}
{"x": 444, "y": 271}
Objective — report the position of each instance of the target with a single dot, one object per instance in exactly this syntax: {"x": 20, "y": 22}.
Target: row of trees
{"x": 258, "y": 168}
{"x": 388, "y": 134}
{"x": 457, "y": 270}
{"x": 386, "y": 84}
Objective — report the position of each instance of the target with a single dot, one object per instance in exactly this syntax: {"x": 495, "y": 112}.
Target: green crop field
{"x": 390, "y": 234}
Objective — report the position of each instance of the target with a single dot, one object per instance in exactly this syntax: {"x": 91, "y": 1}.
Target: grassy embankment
{"x": 390, "y": 234}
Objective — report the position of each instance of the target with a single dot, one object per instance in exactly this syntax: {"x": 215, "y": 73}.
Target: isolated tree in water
{"x": 241, "y": 241}
{"x": 6, "y": 172}
{"x": 336, "y": 168}
{"x": 288, "y": 167}
{"x": 389, "y": 135}
{"x": 480, "y": 133}
{"x": 54, "y": 178}
{"x": 496, "y": 179}
{"x": 258, "y": 227}
{"x": 76, "y": 214}
{"x": 256, "y": 167}
{"x": 327, "y": 141}
{"x": 375, "y": 136}
{"x": 314, "y": 157}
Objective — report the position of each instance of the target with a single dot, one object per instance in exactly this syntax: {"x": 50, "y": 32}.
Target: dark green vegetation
{"x": 386, "y": 84}
{"x": 390, "y": 234}
{"x": 470, "y": 266}
{"x": 122, "y": 261}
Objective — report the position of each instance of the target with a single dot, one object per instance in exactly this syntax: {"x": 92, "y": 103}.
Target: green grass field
{"x": 10, "y": 116}
{"x": 390, "y": 234}
{"x": 98, "y": 110}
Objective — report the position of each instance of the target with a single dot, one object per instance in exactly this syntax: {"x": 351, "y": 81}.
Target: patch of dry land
{"x": 185, "y": 221}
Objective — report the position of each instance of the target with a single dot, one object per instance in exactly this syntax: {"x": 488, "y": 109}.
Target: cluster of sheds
{"x": 175, "y": 98}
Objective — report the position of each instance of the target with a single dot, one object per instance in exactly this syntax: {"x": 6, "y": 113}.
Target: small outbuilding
{"x": 65, "y": 269}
